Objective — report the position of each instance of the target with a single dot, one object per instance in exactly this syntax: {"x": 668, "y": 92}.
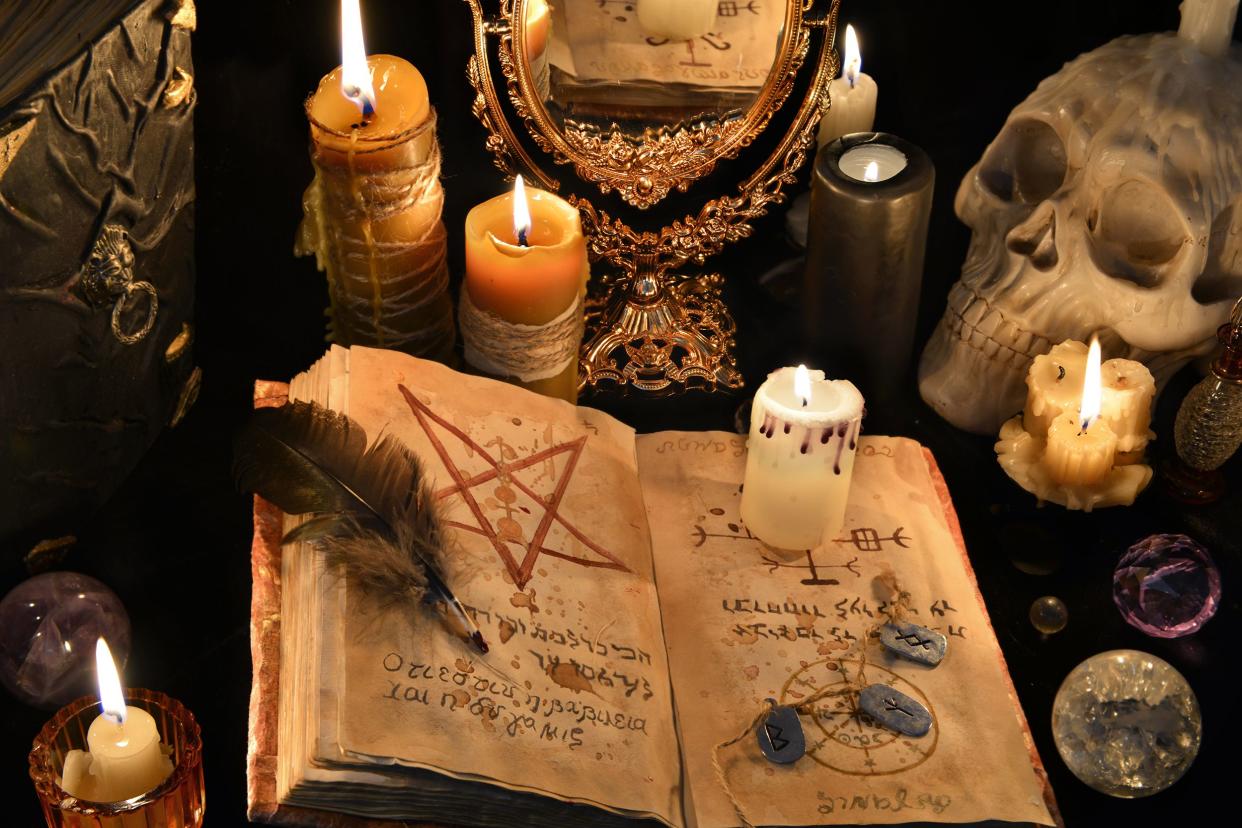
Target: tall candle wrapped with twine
{"x": 372, "y": 213}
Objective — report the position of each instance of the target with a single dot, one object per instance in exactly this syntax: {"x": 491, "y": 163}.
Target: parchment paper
{"x": 606, "y": 42}
{"x": 554, "y": 555}
{"x": 744, "y": 624}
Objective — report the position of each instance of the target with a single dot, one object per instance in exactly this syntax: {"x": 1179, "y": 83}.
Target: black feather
{"x": 373, "y": 512}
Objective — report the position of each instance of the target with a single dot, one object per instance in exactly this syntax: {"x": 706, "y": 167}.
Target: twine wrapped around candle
{"x": 515, "y": 351}
{"x": 374, "y": 228}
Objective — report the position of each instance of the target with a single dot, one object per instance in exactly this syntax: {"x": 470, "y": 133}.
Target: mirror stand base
{"x": 679, "y": 339}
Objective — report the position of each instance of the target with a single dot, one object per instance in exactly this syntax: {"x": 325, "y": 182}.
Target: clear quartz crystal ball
{"x": 1126, "y": 723}
{"x": 1049, "y": 614}
{"x": 48, "y": 628}
{"x": 1166, "y": 586}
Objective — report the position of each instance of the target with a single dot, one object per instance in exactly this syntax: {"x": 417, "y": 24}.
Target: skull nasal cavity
{"x": 1036, "y": 238}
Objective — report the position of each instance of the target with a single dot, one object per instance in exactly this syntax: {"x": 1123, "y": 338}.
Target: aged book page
{"x": 744, "y": 624}
{"x": 553, "y": 554}
{"x": 597, "y": 41}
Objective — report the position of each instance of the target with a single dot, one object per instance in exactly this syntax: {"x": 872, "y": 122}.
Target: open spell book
{"x": 634, "y": 624}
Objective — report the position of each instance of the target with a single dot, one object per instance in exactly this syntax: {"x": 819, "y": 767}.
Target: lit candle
{"x": 1081, "y": 445}
{"x": 372, "y": 213}
{"x": 852, "y": 96}
{"x": 800, "y": 457}
{"x": 1081, "y": 437}
{"x": 1054, "y": 384}
{"x": 521, "y": 304}
{"x": 125, "y": 757}
{"x": 678, "y": 19}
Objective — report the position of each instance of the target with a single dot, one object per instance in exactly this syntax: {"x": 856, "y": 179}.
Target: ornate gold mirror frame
{"x": 649, "y": 328}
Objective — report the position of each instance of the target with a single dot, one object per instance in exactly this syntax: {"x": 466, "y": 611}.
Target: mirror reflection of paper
{"x": 603, "y": 40}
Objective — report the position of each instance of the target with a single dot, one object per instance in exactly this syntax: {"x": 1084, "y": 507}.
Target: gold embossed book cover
{"x": 636, "y": 629}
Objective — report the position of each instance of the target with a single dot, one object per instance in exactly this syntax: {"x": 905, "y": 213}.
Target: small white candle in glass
{"x": 803, "y": 439}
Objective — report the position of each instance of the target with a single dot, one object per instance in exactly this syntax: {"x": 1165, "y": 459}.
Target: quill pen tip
{"x": 477, "y": 638}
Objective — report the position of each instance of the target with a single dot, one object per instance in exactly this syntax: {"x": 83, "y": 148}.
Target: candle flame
{"x": 852, "y": 66}
{"x": 111, "y": 696}
{"x": 355, "y": 73}
{"x": 1091, "y": 392}
{"x": 521, "y": 211}
{"x": 802, "y": 385}
{"x": 872, "y": 173}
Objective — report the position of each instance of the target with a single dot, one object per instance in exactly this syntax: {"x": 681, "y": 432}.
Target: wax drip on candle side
{"x": 845, "y": 433}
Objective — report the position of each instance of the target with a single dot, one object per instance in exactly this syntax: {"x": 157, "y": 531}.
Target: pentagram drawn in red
{"x": 464, "y": 486}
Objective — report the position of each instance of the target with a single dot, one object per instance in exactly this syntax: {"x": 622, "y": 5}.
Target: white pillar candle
{"x": 677, "y": 19}
{"x": 851, "y": 97}
{"x": 125, "y": 758}
{"x": 803, "y": 439}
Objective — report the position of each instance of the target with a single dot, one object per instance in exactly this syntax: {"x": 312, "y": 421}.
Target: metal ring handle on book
{"x": 125, "y": 301}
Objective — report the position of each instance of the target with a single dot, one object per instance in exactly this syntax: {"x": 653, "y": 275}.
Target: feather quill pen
{"x": 372, "y": 511}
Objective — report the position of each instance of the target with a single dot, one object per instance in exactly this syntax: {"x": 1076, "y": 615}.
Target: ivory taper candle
{"x": 372, "y": 213}
{"x": 800, "y": 457}
{"x": 521, "y": 304}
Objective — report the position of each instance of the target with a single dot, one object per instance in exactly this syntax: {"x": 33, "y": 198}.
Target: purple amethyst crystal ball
{"x": 1167, "y": 586}
{"x": 48, "y": 628}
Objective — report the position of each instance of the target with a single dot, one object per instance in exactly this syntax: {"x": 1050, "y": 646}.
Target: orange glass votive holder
{"x": 178, "y": 802}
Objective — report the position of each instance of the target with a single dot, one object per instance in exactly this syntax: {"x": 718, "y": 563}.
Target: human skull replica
{"x": 1109, "y": 205}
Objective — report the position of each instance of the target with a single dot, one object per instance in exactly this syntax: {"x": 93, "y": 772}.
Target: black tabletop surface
{"x": 174, "y": 541}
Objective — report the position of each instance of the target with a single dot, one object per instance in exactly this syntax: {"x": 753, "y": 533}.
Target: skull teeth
{"x": 971, "y": 319}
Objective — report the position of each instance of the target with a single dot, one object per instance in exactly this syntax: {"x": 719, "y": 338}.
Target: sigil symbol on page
{"x": 780, "y": 735}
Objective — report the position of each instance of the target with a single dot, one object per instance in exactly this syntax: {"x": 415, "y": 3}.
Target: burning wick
{"x": 853, "y": 56}
{"x": 521, "y": 212}
{"x": 356, "y": 82}
{"x": 1091, "y": 393}
{"x": 802, "y": 385}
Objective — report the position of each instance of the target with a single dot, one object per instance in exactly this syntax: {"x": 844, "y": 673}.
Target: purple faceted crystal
{"x": 48, "y": 628}
{"x": 1166, "y": 586}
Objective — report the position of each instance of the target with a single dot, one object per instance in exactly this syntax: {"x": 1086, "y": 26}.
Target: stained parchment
{"x": 744, "y": 624}
{"x": 605, "y": 41}
{"x": 553, "y": 555}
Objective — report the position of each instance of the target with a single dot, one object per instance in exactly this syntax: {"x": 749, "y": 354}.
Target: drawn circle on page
{"x": 850, "y": 741}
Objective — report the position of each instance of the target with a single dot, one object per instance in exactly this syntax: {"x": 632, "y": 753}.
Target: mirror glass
{"x": 642, "y": 70}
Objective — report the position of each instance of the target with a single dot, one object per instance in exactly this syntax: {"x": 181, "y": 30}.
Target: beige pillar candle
{"x": 372, "y": 213}
{"x": 800, "y": 458}
{"x": 522, "y": 300}
{"x": 1076, "y": 456}
{"x": 852, "y": 97}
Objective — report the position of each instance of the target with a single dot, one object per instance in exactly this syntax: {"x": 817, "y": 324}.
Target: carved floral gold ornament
{"x": 651, "y": 326}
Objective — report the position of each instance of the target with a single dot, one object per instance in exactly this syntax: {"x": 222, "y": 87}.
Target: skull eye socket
{"x": 1026, "y": 165}
{"x": 1135, "y": 232}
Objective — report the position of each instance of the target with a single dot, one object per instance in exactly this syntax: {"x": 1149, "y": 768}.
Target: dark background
{"x": 174, "y": 541}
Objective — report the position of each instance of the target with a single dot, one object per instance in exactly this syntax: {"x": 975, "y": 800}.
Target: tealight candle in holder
{"x": 136, "y": 764}
{"x": 800, "y": 458}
